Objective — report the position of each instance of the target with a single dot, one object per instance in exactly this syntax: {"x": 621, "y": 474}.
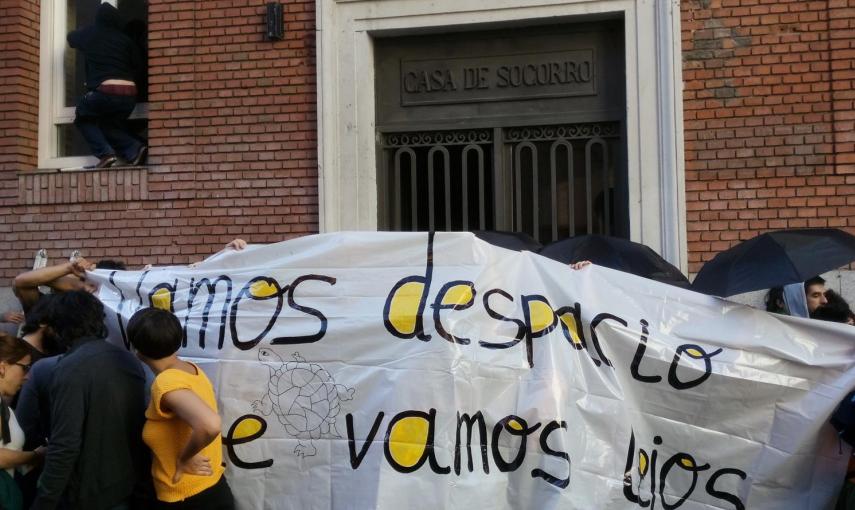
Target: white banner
{"x": 408, "y": 370}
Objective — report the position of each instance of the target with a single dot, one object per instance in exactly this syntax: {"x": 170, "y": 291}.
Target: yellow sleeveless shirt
{"x": 167, "y": 435}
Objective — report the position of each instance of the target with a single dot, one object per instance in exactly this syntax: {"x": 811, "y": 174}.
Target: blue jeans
{"x": 102, "y": 119}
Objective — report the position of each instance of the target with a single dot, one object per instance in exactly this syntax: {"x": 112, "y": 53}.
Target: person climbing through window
{"x": 113, "y": 64}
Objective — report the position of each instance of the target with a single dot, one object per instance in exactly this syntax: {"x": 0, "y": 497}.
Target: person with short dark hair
{"x": 788, "y": 300}
{"x": 96, "y": 458}
{"x": 37, "y": 331}
{"x": 182, "y": 424}
{"x": 815, "y": 293}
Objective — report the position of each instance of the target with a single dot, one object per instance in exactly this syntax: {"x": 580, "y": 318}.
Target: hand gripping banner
{"x": 415, "y": 370}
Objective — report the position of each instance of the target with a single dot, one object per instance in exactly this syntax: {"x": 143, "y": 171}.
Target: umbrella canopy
{"x": 517, "y": 241}
{"x": 616, "y": 253}
{"x": 774, "y": 259}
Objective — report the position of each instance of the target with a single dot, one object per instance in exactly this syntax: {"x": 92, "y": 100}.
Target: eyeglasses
{"x": 25, "y": 366}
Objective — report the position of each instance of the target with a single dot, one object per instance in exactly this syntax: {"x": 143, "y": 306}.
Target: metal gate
{"x": 547, "y": 181}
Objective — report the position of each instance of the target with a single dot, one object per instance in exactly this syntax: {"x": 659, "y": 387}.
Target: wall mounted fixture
{"x": 275, "y": 22}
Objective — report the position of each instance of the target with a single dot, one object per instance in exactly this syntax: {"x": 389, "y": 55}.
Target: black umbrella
{"x": 616, "y": 253}
{"x": 517, "y": 241}
{"x": 774, "y": 259}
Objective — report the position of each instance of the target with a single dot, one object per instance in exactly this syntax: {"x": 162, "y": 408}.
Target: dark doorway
{"x": 513, "y": 129}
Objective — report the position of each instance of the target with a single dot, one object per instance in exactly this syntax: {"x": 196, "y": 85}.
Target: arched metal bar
{"x": 553, "y": 163}
{"x": 399, "y": 181}
{"x": 588, "y": 179}
{"x": 479, "y": 152}
{"x": 446, "y": 159}
{"x": 535, "y": 206}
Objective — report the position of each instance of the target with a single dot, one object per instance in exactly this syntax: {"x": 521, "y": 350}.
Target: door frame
{"x": 347, "y": 154}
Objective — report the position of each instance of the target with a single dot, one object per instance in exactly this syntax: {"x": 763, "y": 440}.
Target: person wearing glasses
{"x": 15, "y": 359}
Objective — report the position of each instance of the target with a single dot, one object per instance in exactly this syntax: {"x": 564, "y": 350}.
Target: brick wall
{"x": 768, "y": 109}
{"x": 232, "y": 131}
{"x": 19, "y": 85}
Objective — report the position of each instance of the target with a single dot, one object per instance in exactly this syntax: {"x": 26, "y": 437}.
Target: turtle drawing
{"x": 305, "y": 398}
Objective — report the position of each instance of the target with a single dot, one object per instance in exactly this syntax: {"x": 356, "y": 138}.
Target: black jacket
{"x": 96, "y": 457}
{"x": 109, "y": 52}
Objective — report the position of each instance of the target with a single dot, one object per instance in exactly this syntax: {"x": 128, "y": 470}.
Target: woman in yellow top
{"x": 182, "y": 425}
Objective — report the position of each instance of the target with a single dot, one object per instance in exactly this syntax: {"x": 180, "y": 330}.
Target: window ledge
{"x": 52, "y": 186}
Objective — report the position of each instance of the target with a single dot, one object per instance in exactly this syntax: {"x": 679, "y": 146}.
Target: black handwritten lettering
{"x": 305, "y": 339}
{"x": 439, "y": 305}
{"x": 356, "y": 458}
{"x": 726, "y": 496}
{"x": 260, "y": 288}
{"x": 561, "y": 483}
{"x": 469, "y": 422}
{"x": 527, "y": 301}
{"x": 422, "y": 282}
{"x": 515, "y": 426}
{"x": 119, "y": 308}
{"x": 595, "y": 340}
{"x": 230, "y": 441}
{"x": 211, "y": 288}
{"x": 696, "y": 352}
{"x": 639, "y": 356}
{"x": 520, "y": 334}
{"x": 428, "y": 451}
{"x": 683, "y": 461}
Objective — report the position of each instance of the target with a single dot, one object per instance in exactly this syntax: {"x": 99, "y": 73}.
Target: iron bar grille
{"x": 557, "y": 181}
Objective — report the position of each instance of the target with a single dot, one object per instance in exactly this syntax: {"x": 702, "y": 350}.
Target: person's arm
{"x": 14, "y": 458}
{"x": 13, "y": 317}
{"x": 68, "y": 413}
{"x": 205, "y": 425}
{"x": 61, "y": 278}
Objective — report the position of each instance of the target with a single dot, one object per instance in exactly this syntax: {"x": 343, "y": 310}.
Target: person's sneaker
{"x": 139, "y": 159}
{"x": 106, "y": 161}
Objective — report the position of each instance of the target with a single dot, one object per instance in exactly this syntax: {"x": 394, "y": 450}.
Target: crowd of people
{"x": 83, "y": 425}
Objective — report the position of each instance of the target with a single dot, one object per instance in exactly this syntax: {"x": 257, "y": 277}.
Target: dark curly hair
{"x": 77, "y": 314}
{"x": 836, "y": 310}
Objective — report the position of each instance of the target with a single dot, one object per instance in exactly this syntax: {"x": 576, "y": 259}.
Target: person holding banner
{"x": 182, "y": 423}
{"x": 797, "y": 299}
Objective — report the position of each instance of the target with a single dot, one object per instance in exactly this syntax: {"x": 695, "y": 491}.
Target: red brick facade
{"x": 19, "y": 107}
{"x": 768, "y": 109}
{"x": 232, "y": 130}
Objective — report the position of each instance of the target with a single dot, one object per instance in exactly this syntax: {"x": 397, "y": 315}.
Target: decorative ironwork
{"x": 431, "y": 138}
{"x": 566, "y": 132}
{"x": 549, "y": 181}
